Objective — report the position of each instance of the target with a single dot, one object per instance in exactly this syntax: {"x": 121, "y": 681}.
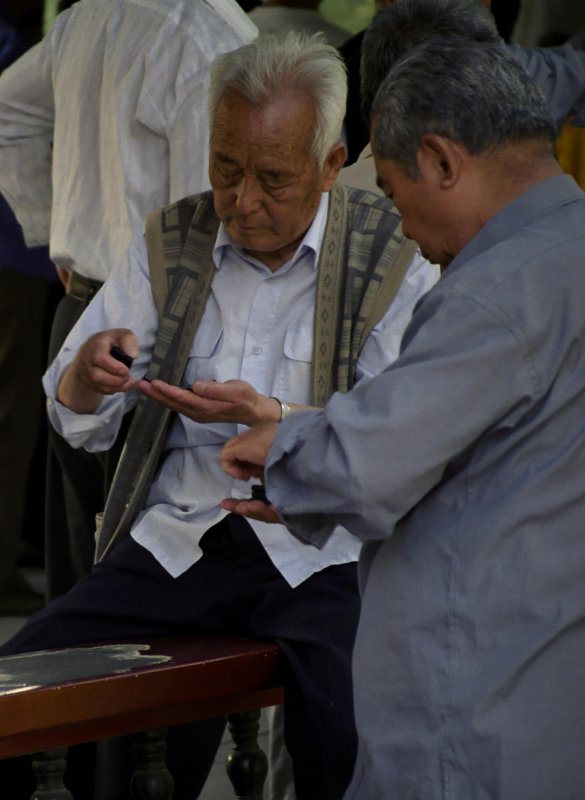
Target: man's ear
{"x": 440, "y": 158}
{"x": 333, "y": 163}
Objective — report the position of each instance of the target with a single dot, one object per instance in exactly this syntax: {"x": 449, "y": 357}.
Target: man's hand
{"x": 244, "y": 456}
{"x": 94, "y": 373}
{"x": 254, "y": 509}
{"x": 208, "y": 401}
{"x": 64, "y": 276}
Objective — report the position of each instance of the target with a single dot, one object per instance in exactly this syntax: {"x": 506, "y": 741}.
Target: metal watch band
{"x": 285, "y": 409}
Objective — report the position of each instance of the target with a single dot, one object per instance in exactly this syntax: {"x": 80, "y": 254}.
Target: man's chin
{"x": 442, "y": 261}
{"x": 251, "y": 241}
{"x": 247, "y": 236}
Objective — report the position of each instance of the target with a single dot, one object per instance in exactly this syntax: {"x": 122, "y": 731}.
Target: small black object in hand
{"x": 259, "y": 493}
{"x": 120, "y": 355}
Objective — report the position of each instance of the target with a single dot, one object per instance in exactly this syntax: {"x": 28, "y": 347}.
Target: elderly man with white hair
{"x": 272, "y": 291}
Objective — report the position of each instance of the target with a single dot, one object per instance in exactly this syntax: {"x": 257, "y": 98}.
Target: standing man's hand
{"x": 244, "y": 456}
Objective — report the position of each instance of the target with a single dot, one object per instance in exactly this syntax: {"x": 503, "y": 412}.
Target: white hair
{"x": 273, "y": 65}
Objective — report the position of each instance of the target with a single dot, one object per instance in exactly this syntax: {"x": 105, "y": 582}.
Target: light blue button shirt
{"x": 258, "y": 327}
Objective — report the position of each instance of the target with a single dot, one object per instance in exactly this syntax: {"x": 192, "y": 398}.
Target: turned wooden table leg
{"x": 247, "y": 765}
{"x": 49, "y": 768}
{"x": 151, "y": 780}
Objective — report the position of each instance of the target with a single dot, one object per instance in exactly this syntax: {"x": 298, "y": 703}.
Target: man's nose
{"x": 248, "y": 195}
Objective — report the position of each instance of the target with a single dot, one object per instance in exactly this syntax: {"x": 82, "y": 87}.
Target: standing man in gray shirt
{"x": 461, "y": 466}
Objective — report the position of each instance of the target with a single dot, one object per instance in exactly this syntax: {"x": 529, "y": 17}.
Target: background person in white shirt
{"x": 101, "y": 122}
{"x": 188, "y": 566}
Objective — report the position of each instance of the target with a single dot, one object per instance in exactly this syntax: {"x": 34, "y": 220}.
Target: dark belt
{"x": 82, "y": 288}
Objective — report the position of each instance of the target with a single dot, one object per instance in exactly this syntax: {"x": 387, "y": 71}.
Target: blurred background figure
{"x": 549, "y": 23}
{"x": 356, "y": 130}
{"x": 542, "y": 23}
{"x": 353, "y": 15}
{"x": 505, "y": 14}
{"x": 101, "y": 122}
{"x": 272, "y": 16}
{"x": 29, "y": 291}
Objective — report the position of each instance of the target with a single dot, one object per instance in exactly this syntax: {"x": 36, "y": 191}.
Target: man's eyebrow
{"x": 277, "y": 174}
{"x": 225, "y": 159}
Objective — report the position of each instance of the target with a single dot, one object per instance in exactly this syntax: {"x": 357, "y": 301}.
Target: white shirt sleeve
{"x": 125, "y": 301}
{"x": 188, "y": 129}
{"x": 26, "y": 136}
{"x": 382, "y": 346}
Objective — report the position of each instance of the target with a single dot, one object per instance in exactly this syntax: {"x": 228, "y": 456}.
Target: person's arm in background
{"x": 560, "y": 73}
{"x": 26, "y": 133}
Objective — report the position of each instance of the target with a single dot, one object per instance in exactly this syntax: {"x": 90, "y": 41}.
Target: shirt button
{"x": 256, "y": 350}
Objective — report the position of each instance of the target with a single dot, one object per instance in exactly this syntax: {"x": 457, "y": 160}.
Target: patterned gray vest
{"x": 364, "y": 257}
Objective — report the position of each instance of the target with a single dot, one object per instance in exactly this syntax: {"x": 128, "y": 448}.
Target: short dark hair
{"x": 404, "y": 24}
{"x": 474, "y": 93}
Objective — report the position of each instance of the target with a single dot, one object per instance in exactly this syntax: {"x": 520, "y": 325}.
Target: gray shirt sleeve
{"x": 374, "y": 453}
{"x": 560, "y": 73}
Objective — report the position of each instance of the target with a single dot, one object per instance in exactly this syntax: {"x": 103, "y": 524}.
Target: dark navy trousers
{"x": 235, "y": 589}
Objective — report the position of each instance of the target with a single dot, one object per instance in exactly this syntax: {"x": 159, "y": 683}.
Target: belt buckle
{"x": 82, "y": 288}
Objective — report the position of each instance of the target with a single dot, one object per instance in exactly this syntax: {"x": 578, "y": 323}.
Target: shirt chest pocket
{"x": 293, "y": 377}
{"x": 204, "y": 356}
{"x": 298, "y": 337}
{"x": 298, "y": 344}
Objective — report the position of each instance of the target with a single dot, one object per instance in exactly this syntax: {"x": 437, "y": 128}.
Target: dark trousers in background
{"x": 26, "y": 306}
{"x": 77, "y": 484}
{"x": 235, "y": 589}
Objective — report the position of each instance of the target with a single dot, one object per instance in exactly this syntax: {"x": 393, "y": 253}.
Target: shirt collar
{"x": 309, "y": 247}
{"x": 540, "y": 199}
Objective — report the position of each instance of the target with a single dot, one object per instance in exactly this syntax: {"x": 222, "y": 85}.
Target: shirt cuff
{"x": 284, "y": 486}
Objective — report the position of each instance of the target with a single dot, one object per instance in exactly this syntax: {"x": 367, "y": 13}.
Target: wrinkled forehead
{"x": 283, "y": 125}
